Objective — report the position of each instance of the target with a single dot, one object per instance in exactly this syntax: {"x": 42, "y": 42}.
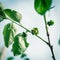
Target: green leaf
{"x": 8, "y": 34}
{"x": 13, "y": 15}
{"x": 41, "y": 6}
{"x": 35, "y": 31}
{"x": 50, "y": 23}
{"x": 20, "y": 44}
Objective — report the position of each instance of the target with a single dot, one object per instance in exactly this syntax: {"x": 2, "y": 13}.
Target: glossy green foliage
{"x": 8, "y": 33}
{"x": 2, "y": 15}
{"x": 20, "y": 44}
{"x": 50, "y": 23}
{"x": 13, "y": 15}
{"x": 41, "y": 6}
{"x": 35, "y": 31}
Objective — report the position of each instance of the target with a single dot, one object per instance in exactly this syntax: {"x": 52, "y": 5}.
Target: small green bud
{"x": 50, "y": 23}
{"x": 35, "y": 31}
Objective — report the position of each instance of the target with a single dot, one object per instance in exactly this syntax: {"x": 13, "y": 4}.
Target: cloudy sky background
{"x": 37, "y": 50}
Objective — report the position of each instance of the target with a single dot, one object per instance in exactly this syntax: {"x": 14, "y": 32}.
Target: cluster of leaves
{"x": 19, "y": 41}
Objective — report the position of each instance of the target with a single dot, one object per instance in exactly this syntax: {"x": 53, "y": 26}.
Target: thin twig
{"x": 30, "y": 31}
{"x": 47, "y": 33}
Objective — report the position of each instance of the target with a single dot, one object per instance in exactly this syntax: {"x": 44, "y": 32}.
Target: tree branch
{"x": 47, "y": 33}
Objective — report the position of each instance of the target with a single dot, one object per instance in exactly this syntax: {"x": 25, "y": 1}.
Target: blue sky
{"x": 37, "y": 49}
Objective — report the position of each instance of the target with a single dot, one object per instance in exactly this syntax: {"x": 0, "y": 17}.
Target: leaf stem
{"x": 47, "y": 33}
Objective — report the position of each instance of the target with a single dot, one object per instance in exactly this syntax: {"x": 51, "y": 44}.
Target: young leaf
{"x": 19, "y": 45}
{"x": 41, "y": 6}
{"x": 13, "y": 15}
{"x": 50, "y": 23}
{"x": 7, "y": 33}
